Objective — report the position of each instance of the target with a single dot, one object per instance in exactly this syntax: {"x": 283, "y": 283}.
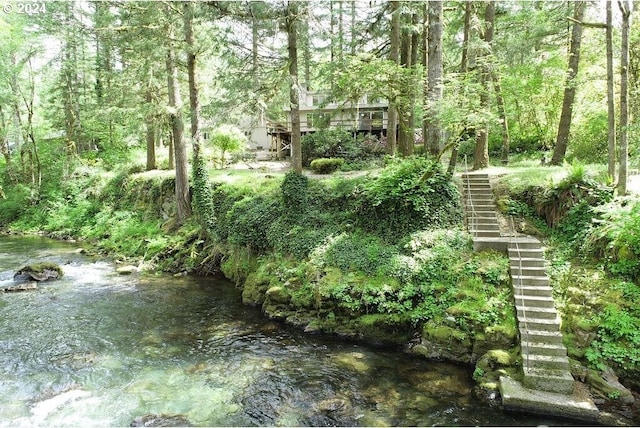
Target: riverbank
{"x": 379, "y": 258}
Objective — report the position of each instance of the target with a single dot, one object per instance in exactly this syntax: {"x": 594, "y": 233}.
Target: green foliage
{"x": 15, "y": 203}
{"x": 249, "y": 219}
{"x": 618, "y": 339}
{"x": 327, "y": 143}
{"x": 616, "y": 239}
{"x": 326, "y": 165}
{"x": 354, "y": 252}
{"x": 401, "y": 201}
{"x": 295, "y": 193}
{"x": 576, "y": 188}
{"x": 227, "y": 139}
{"x": 202, "y": 197}
{"x": 589, "y": 140}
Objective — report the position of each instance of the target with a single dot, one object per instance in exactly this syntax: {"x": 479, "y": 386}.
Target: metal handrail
{"x": 474, "y": 216}
{"x": 524, "y": 310}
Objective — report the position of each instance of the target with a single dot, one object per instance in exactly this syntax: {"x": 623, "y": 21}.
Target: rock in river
{"x": 39, "y": 272}
{"x": 160, "y": 421}
{"x": 25, "y": 286}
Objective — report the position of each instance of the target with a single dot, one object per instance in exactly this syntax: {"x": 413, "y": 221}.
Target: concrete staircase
{"x": 480, "y": 208}
{"x": 544, "y": 357}
{"x": 547, "y": 386}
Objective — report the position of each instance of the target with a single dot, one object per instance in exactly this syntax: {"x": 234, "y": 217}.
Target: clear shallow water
{"x": 98, "y": 349}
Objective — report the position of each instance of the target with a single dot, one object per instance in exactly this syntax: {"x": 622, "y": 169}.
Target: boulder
{"x": 160, "y": 421}
{"x": 39, "y": 272}
{"x": 126, "y": 270}
{"x": 607, "y": 386}
{"x": 278, "y": 294}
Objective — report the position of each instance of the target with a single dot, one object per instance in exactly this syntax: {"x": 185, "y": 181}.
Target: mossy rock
{"x": 278, "y": 295}
{"x": 497, "y": 359}
{"x": 442, "y": 342}
{"x": 44, "y": 271}
{"x": 606, "y": 385}
{"x": 255, "y": 289}
{"x": 383, "y": 329}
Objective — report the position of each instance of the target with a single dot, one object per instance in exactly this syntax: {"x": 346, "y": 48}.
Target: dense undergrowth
{"x": 593, "y": 245}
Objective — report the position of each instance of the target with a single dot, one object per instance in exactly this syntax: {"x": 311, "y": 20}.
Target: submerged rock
{"x": 126, "y": 270}
{"x": 27, "y": 286}
{"x": 39, "y": 272}
{"x": 160, "y": 421}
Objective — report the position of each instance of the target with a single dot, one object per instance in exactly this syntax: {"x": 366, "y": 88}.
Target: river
{"x": 99, "y": 349}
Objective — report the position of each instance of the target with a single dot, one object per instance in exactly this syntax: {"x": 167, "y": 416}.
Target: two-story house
{"x": 319, "y": 111}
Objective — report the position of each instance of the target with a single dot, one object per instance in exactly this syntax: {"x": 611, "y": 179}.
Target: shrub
{"x": 17, "y": 200}
{"x": 327, "y": 143}
{"x": 575, "y": 188}
{"x": 249, "y": 219}
{"x": 616, "y": 237}
{"x": 295, "y": 193}
{"x": 326, "y": 165}
{"x": 227, "y": 139}
{"x": 409, "y": 195}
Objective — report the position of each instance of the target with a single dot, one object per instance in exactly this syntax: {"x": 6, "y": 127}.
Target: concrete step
{"x": 483, "y": 214}
{"x": 485, "y": 226}
{"x": 533, "y": 290}
{"x": 475, "y": 174}
{"x": 472, "y": 187}
{"x": 524, "y": 244}
{"x": 549, "y": 337}
{"x": 483, "y": 233}
{"x": 527, "y": 261}
{"x": 545, "y": 362}
{"x": 534, "y": 301}
{"x": 475, "y": 180}
{"x": 533, "y": 253}
{"x": 535, "y": 312}
{"x": 479, "y": 207}
{"x": 540, "y": 324}
{"x": 476, "y": 191}
{"x": 563, "y": 402}
{"x": 480, "y": 199}
{"x": 527, "y": 270}
{"x": 528, "y": 280}
{"x": 485, "y": 220}
{"x": 549, "y": 380}
{"x": 541, "y": 348}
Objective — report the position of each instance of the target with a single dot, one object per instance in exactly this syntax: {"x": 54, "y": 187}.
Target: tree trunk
{"x": 194, "y": 102}
{"x": 151, "y": 133}
{"x": 611, "y": 111}
{"x": 294, "y": 88}
{"x": 254, "y": 46}
{"x": 394, "y": 54}
{"x": 625, "y": 8}
{"x": 481, "y": 154}
{"x": 434, "y": 78}
{"x": 183, "y": 199}
{"x": 502, "y": 111}
{"x": 564, "y": 127}
{"x": 468, "y": 11}
{"x": 404, "y": 110}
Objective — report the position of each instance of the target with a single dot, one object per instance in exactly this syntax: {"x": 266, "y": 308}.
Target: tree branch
{"x": 587, "y": 24}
